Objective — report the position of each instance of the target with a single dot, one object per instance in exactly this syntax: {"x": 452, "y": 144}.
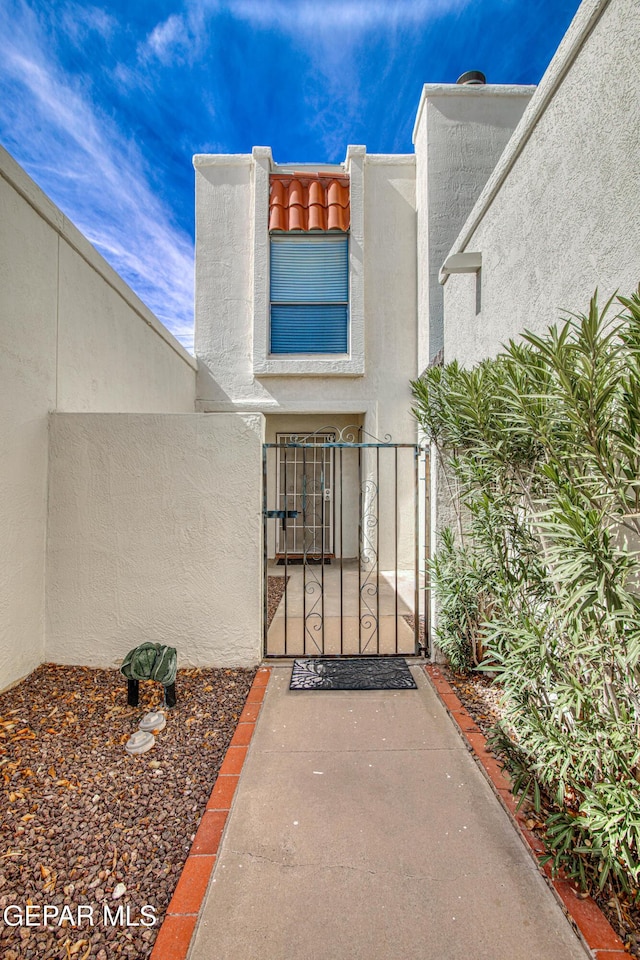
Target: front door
{"x": 305, "y": 485}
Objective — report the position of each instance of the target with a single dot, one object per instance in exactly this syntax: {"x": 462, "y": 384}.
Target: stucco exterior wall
{"x": 223, "y": 284}
{"x": 225, "y": 303}
{"x": 559, "y": 215}
{"x": 27, "y": 392}
{"x": 154, "y": 534}
{"x": 459, "y": 134}
{"x": 72, "y": 335}
{"x": 232, "y": 203}
{"x": 111, "y": 356}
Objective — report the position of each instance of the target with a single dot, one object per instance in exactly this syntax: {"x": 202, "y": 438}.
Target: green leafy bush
{"x": 541, "y": 450}
{"x": 462, "y": 611}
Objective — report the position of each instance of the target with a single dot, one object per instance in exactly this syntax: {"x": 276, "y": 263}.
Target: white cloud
{"x": 310, "y": 16}
{"x": 79, "y": 21}
{"x": 93, "y": 171}
{"x": 168, "y": 41}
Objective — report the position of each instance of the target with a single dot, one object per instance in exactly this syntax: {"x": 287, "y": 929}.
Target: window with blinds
{"x": 309, "y": 293}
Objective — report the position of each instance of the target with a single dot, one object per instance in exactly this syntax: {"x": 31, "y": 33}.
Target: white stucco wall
{"x": 113, "y": 354}
{"x": 155, "y": 534}
{"x": 72, "y": 335}
{"x": 27, "y": 392}
{"x": 382, "y": 293}
{"x": 459, "y": 134}
{"x": 559, "y": 216}
{"x": 225, "y": 303}
{"x": 223, "y": 279}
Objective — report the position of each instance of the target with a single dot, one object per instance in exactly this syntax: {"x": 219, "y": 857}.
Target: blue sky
{"x": 104, "y": 105}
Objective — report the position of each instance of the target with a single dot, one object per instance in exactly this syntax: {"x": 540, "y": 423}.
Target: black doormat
{"x": 357, "y": 673}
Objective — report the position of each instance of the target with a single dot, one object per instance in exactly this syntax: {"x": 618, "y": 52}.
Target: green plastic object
{"x": 151, "y": 661}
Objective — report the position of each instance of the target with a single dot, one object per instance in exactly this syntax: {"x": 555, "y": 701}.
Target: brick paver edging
{"x": 174, "y": 936}
{"x": 596, "y": 931}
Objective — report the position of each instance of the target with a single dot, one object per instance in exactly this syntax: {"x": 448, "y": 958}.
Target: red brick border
{"x": 174, "y": 937}
{"x": 593, "y": 926}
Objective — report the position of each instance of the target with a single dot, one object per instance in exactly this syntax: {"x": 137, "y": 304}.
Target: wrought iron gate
{"x": 345, "y": 544}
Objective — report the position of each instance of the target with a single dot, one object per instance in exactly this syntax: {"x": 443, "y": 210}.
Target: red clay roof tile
{"x": 303, "y": 201}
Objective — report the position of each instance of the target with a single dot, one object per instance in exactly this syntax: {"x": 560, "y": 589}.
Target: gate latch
{"x": 281, "y": 515}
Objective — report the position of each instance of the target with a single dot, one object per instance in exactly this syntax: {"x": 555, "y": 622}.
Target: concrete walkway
{"x": 354, "y": 618}
{"x": 362, "y": 829}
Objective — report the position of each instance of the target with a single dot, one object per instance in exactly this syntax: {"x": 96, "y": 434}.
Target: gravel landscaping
{"x": 480, "y": 696}
{"x": 85, "y": 824}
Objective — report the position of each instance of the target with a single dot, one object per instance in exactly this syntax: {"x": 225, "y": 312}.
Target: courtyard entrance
{"x": 345, "y": 542}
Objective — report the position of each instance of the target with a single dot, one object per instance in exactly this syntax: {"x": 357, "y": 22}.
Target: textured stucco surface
{"x": 27, "y": 392}
{"x": 154, "y": 534}
{"x": 109, "y": 359}
{"x": 384, "y": 292}
{"x": 72, "y": 335}
{"x": 223, "y": 284}
{"x": 460, "y": 133}
{"x": 564, "y": 218}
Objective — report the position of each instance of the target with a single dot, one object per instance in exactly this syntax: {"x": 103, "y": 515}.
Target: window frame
{"x": 264, "y": 364}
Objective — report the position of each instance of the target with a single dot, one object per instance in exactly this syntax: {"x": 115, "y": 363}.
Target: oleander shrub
{"x": 540, "y": 448}
{"x": 463, "y": 599}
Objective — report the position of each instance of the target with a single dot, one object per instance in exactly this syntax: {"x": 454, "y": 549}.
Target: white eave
{"x": 460, "y": 263}
{"x": 221, "y": 159}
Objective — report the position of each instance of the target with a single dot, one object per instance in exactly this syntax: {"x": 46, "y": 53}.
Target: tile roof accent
{"x": 303, "y": 201}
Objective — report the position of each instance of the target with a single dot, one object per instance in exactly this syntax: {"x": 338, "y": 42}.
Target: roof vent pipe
{"x": 472, "y": 78}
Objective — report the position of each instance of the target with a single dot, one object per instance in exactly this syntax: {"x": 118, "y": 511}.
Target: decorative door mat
{"x": 356, "y": 673}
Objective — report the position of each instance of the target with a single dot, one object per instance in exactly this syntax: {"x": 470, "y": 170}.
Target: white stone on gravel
{"x": 140, "y": 742}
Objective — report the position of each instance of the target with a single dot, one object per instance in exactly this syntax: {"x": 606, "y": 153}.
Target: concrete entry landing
{"x": 334, "y": 611}
{"x": 362, "y": 829}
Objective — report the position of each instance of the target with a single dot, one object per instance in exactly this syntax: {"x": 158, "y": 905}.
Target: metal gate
{"x": 345, "y": 545}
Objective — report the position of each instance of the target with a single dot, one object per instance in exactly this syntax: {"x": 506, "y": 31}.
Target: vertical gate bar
{"x": 323, "y": 453}
{"x": 360, "y": 533}
{"x": 416, "y": 559}
{"x": 395, "y": 535}
{"x": 265, "y": 612}
{"x": 286, "y": 552}
{"x": 341, "y": 556}
{"x": 304, "y": 551}
{"x": 294, "y": 540}
{"x": 378, "y": 538}
{"x": 297, "y": 545}
{"x": 427, "y": 552}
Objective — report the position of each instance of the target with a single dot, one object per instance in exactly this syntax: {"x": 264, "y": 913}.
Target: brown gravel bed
{"x": 480, "y": 695}
{"x": 80, "y": 817}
